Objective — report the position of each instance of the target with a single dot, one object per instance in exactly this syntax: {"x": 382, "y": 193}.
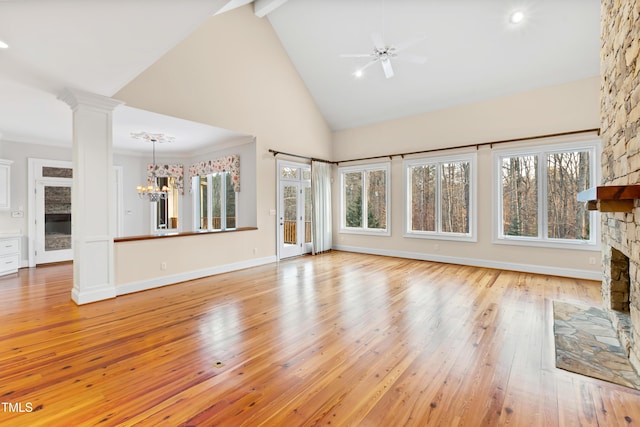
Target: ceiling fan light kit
{"x": 383, "y": 53}
{"x": 516, "y": 17}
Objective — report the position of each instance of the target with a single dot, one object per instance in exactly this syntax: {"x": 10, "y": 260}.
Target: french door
{"x": 53, "y": 221}
{"x": 294, "y": 209}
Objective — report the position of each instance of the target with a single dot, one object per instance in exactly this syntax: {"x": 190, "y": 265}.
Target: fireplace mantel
{"x": 611, "y": 198}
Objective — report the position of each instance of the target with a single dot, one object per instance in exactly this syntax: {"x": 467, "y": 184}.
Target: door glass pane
{"x": 57, "y": 218}
{"x": 307, "y": 214}
{"x": 290, "y": 201}
{"x": 306, "y": 174}
{"x": 289, "y": 172}
{"x": 51, "y": 172}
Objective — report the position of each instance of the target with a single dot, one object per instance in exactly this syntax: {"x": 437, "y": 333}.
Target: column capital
{"x": 75, "y": 98}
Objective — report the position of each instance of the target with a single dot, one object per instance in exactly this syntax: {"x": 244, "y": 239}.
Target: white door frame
{"x": 41, "y": 255}
{"x": 34, "y": 171}
{"x": 301, "y": 246}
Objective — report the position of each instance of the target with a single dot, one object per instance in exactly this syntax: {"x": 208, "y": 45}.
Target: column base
{"x": 86, "y": 296}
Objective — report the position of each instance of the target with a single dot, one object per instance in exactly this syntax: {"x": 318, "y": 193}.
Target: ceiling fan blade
{"x": 367, "y": 65}
{"x": 409, "y": 42}
{"x": 377, "y": 40}
{"x": 407, "y": 57}
{"x": 388, "y": 70}
{"x": 355, "y": 55}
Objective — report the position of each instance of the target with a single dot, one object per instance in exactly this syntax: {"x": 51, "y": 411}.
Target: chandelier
{"x": 153, "y": 193}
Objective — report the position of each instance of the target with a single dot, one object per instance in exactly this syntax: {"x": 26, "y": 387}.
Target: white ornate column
{"x": 93, "y": 213}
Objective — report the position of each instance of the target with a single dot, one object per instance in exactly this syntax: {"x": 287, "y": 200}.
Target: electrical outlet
{"x": 592, "y": 260}
{"x": 163, "y": 265}
{"x": 255, "y": 251}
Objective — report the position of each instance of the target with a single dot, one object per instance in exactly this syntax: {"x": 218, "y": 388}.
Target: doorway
{"x": 294, "y": 209}
{"x": 53, "y": 221}
{"x": 49, "y": 210}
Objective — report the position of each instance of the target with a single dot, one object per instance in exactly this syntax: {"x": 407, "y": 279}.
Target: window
{"x": 166, "y": 212}
{"x": 364, "y": 199}
{"x": 440, "y": 197}
{"x": 214, "y": 202}
{"x": 537, "y": 192}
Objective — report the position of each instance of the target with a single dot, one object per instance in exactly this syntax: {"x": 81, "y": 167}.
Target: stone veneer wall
{"x": 620, "y": 120}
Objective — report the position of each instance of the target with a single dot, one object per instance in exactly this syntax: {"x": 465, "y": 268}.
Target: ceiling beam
{"x": 264, "y": 7}
{"x": 232, "y": 4}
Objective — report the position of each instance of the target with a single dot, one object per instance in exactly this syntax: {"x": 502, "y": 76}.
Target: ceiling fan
{"x": 383, "y": 53}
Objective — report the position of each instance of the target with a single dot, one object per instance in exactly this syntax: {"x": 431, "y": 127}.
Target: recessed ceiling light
{"x": 516, "y": 17}
{"x": 358, "y": 74}
{"x": 3, "y": 45}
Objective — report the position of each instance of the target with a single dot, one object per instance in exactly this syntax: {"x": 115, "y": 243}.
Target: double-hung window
{"x": 365, "y": 199}
{"x": 440, "y": 197}
{"x": 215, "y": 205}
{"x": 536, "y": 193}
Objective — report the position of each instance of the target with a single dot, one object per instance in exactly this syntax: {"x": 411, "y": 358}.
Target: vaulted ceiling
{"x": 472, "y": 52}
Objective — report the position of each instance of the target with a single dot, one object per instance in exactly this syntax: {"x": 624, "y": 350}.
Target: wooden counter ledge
{"x": 176, "y": 234}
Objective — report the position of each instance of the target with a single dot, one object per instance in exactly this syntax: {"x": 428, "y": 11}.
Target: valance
{"x": 230, "y": 164}
{"x": 166, "y": 171}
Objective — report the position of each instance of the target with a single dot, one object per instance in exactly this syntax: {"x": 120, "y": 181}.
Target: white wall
{"x": 135, "y": 212}
{"x": 567, "y": 107}
{"x": 20, "y": 152}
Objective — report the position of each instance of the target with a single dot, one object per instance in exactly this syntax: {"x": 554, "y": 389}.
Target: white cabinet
{"x": 5, "y": 184}
{"x": 9, "y": 254}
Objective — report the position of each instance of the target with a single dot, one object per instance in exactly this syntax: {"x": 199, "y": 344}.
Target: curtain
{"x": 229, "y": 164}
{"x": 160, "y": 171}
{"x": 321, "y": 206}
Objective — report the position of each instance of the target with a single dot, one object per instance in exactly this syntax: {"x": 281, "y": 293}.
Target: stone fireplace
{"x": 620, "y": 120}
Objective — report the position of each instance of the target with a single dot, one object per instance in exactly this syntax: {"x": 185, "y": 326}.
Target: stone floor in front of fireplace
{"x": 588, "y": 344}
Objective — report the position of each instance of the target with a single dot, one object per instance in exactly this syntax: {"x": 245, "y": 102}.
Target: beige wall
{"x": 231, "y": 73}
{"x": 568, "y": 107}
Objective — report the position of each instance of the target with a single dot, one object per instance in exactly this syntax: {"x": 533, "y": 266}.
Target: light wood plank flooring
{"x": 337, "y": 339}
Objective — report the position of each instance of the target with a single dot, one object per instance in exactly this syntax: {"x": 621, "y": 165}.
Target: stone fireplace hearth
{"x": 620, "y": 121}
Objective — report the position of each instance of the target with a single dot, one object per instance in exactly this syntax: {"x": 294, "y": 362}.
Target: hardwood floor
{"x": 336, "y": 339}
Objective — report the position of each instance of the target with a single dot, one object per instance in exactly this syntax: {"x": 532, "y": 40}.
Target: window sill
{"x": 178, "y": 234}
{"x": 548, "y": 244}
{"x": 436, "y": 236}
{"x": 365, "y": 232}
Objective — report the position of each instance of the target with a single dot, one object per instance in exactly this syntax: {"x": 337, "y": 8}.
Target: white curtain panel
{"x": 321, "y": 200}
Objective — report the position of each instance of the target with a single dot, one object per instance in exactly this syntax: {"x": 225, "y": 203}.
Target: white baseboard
{"x": 143, "y": 285}
{"x": 526, "y": 268}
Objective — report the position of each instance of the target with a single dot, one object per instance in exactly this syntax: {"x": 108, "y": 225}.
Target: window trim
{"x": 386, "y": 167}
{"x": 195, "y": 182}
{"x": 594, "y": 146}
{"x": 155, "y": 229}
{"x": 472, "y": 235}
